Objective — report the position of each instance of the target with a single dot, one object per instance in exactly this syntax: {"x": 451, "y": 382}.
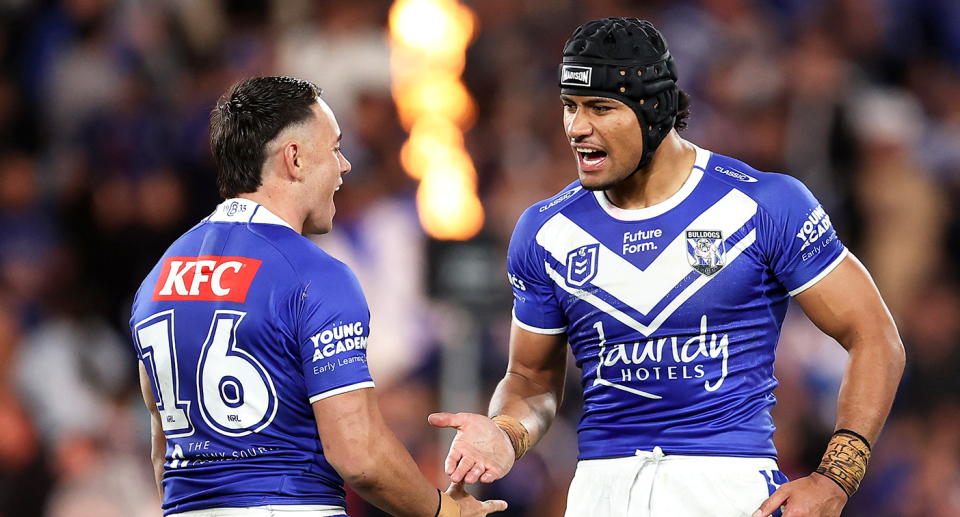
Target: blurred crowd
{"x": 104, "y": 160}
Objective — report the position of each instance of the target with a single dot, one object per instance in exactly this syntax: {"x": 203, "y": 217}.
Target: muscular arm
{"x": 531, "y": 392}
{"x": 532, "y": 389}
{"x": 847, "y": 306}
{"x": 158, "y": 442}
{"x": 363, "y": 450}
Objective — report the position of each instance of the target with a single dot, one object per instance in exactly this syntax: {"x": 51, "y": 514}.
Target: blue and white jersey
{"x": 673, "y": 311}
{"x": 242, "y": 325}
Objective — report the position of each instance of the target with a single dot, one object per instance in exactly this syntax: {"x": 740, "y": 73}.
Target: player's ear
{"x": 293, "y": 160}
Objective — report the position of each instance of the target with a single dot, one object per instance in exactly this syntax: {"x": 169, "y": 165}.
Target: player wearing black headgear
{"x": 625, "y": 59}
{"x": 669, "y": 270}
{"x": 622, "y": 103}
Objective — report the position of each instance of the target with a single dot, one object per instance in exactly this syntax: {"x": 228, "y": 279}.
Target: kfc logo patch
{"x": 206, "y": 278}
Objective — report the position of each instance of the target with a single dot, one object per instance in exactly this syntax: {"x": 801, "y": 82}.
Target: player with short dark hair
{"x": 252, "y": 340}
{"x": 251, "y": 114}
{"x": 669, "y": 270}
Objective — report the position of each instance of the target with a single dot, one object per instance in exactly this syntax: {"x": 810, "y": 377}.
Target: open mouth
{"x": 590, "y": 159}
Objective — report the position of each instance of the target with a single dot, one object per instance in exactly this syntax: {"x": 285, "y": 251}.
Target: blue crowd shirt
{"x": 673, "y": 311}
{"x": 242, "y": 325}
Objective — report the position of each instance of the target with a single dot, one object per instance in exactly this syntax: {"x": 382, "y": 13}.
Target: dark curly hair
{"x": 683, "y": 111}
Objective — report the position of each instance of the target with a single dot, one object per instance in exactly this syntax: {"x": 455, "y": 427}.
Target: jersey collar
{"x": 640, "y": 214}
{"x": 239, "y": 210}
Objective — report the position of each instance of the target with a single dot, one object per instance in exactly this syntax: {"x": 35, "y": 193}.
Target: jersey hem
{"x": 822, "y": 274}
{"x": 692, "y": 460}
{"x": 670, "y": 451}
{"x": 319, "y": 510}
{"x": 537, "y": 330}
{"x": 340, "y": 391}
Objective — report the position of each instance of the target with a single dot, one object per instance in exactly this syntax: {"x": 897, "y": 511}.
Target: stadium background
{"x": 104, "y": 161}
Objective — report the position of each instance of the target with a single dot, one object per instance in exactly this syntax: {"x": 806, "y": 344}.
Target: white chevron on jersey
{"x": 618, "y": 277}
{"x": 646, "y": 330}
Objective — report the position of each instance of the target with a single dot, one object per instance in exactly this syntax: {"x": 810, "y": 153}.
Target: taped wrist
{"x": 448, "y": 507}
{"x": 845, "y": 461}
{"x": 516, "y": 432}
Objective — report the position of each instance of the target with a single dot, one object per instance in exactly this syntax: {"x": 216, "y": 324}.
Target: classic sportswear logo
{"x": 735, "y": 174}
{"x": 563, "y": 197}
{"x": 205, "y": 278}
{"x": 575, "y": 75}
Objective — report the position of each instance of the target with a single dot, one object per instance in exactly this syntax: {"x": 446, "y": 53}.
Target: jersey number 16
{"x": 236, "y": 394}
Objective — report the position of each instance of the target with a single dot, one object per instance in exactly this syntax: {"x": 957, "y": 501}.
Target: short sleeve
{"x": 334, "y": 328}
{"x": 535, "y": 305}
{"x": 803, "y": 242}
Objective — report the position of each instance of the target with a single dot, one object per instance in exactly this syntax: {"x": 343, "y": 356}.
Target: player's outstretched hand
{"x": 480, "y": 451}
{"x": 812, "y": 496}
{"x": 469, "y": 506}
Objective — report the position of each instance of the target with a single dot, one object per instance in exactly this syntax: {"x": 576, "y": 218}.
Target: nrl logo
{"x": 582, "y": 265}
{"x": 575, "y": 75}
{"x": 706, "y": 252}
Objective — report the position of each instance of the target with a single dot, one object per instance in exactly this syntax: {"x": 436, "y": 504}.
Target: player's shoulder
{"x": 539, "y": 213}
{"x": 174, "y": 249}
{"x": 770, "y": 190}
{"x": 280, "y": 250}
{"x": 309, "y": 261}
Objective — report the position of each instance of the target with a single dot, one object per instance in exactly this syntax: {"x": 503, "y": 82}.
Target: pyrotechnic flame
{"x": 429, "y": 39}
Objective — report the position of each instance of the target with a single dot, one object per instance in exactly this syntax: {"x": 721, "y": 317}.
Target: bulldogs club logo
{"x": 582, "y": 265}
{"x": 705, "y": 251}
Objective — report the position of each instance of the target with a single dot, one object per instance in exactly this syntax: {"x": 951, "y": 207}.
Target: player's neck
{"x": 278, "y": 201}
{"x": 660, "y": 179}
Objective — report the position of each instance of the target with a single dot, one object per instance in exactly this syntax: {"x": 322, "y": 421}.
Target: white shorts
{"x": 652, "y": 484}
{"x": 276, "y": 510}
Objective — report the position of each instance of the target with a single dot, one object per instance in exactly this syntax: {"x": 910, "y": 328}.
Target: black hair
{"x": 683, "y": 111}
{"x": 250, "y": 115}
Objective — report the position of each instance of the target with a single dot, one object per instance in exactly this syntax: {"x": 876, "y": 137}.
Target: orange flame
{"x": 429, "y": 39}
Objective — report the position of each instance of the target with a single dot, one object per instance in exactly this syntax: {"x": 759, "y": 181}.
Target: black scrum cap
{"x": 625, "y": 59}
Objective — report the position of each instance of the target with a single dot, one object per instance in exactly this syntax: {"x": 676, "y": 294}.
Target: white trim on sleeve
{"x": 822, "y": 274}
{"x": 535, "y": 330}
{"x": 338, "y": 391}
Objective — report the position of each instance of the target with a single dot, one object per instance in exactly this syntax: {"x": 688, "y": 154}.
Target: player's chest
{"x": 647, "y": 265}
